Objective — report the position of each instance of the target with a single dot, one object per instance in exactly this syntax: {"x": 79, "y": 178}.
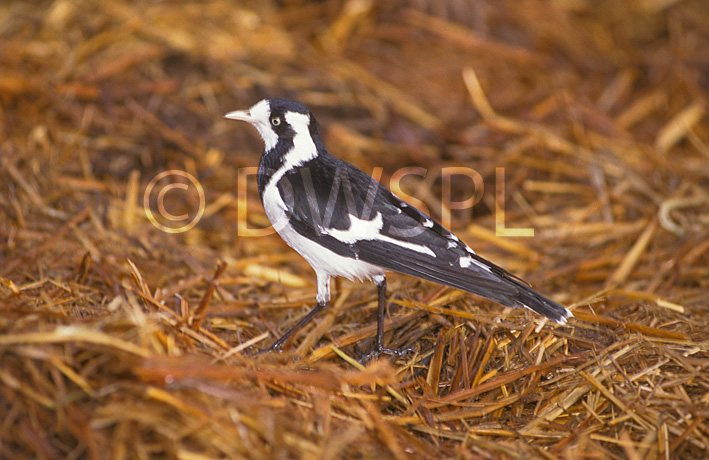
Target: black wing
{"x": 408, "y": 242}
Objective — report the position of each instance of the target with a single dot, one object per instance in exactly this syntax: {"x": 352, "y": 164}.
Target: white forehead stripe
{"x": 262, "y": 108}
{"x": 261, "y": 115}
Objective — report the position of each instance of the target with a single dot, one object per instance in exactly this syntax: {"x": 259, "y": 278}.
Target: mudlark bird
{"x": 344, "y": 223}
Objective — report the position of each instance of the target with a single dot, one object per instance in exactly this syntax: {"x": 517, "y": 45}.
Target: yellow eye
{"x": 275, "y": 121}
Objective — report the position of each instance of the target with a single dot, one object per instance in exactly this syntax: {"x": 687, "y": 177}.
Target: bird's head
{"x": 277, "y": 118}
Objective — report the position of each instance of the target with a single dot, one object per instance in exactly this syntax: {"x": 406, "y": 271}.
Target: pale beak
{"x": 243, "y": 115}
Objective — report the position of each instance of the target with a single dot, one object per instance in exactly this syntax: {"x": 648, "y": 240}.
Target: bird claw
{"x": 377, "y": 351}
{"x": 275, "y": 347}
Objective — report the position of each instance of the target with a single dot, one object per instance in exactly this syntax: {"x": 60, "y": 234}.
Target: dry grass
{"x": 119, "y": 340}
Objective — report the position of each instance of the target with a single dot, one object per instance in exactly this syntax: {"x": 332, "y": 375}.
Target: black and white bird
{"x": 344, "y": 223}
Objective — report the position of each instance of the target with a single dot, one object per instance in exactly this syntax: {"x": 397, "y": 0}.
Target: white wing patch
{"x": 371, "y": 230}
{"x": 360, "y": 229}
{"x": 407, "y": 245}
{"x": 466, "y": 261}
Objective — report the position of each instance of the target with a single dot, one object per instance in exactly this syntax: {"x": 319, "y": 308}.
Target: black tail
{"x": 492, "y": 282}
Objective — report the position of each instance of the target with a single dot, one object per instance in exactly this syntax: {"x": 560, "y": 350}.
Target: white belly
{"x": 323, "y": 261}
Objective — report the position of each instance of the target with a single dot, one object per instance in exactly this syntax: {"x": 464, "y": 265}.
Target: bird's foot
{"x": 275, "y": 347}
{"x": 379, "y": 350}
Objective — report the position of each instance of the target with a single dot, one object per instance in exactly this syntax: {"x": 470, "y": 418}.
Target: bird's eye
{"x": 275, "y": 121}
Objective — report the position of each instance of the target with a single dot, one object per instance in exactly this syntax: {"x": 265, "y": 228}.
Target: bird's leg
{"x": 379, "y": 347}
{"x": 278, "y": 344}
{"x": 323, "y": 299}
